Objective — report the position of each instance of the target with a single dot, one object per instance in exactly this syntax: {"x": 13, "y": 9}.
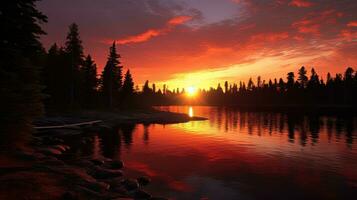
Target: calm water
{"x": 239, "y": 155}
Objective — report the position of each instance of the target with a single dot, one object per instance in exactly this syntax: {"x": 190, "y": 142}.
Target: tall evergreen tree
{"x": 250, "y": 84}
{"x": 302, "y": 77}
{"x": 128, "y": 85}
{"x": 52, "y": 77}
{"x": 90, "y": 81}
{"x": 19, "y": 74}
{"x": 226, "y": 87}
{"x": 74, "y": 52}
{"x": 290, "y": 80}
{"x": 314, "y": 79}
{"x": 146, "y": 88}
{"x": 112, "y": 77}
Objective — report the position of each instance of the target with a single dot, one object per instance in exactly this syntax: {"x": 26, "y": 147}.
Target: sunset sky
{"x": 203, "y": 42}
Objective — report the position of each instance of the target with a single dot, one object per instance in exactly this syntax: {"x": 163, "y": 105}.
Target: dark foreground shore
{"x": 39, "y": 170}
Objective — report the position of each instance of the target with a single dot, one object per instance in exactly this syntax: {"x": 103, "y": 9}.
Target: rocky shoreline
{"x": 40, "y": 172}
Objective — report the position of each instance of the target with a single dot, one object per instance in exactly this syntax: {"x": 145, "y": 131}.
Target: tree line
{"x": 71, "y": 81}
{"x": 296, "y": 89}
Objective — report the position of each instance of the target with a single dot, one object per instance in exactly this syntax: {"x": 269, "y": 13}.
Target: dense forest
{"x": 71, "y": 81}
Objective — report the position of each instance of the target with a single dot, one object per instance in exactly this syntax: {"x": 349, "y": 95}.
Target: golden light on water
{"x": 190, "y": 111}
{"x": 191, "y": 91}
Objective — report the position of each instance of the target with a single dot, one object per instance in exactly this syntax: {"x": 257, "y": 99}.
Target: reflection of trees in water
{"x": 111, "y": 143}
{"x": 146, "y": 133}
{"x": 127, "y": 133}
{"x": 314, "y": 128}
{"x": 294, "y": 125}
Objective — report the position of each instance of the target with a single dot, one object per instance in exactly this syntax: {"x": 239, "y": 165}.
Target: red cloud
{"x": 179, "y": 20}
{"x": 142, "y": 37}
{"x": 301, "y": 3}
{"x": 270, "y": 37}
{"x": 348, "y": 35}
{"x": 307, "y": 26}
{"x": 352, "y": 24}
{"x": 313, "y": 21}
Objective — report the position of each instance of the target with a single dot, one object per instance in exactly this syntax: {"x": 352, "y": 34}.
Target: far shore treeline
{"x": 297, "y": 90}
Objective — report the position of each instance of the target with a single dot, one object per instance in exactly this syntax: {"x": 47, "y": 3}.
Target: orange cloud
{"x": 179, "y": 20}
{"x": 301, "y": 3}
{"x": 142, "y": 37}
{"x": 352, "y": 24}
{"x": 312, "y": 23}
{"x": 348, "y": 35}
{"x": 270, "y": 37}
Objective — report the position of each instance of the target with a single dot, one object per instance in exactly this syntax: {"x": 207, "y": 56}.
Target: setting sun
{"x": 191, "y": 91}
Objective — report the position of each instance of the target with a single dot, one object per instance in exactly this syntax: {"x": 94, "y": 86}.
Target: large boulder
{"x": 141, "y": 194}
{"x": 115, "y": 164}
{"x": 49, "y": 151}
{"x": 131, "y": 184}
{"x": 144, "y": 180}
{"x": 101, "y": 173}
{"x": 98, "y": 162}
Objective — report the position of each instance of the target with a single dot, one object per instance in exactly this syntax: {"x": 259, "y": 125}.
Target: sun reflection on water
{"x": 190, "y": 111}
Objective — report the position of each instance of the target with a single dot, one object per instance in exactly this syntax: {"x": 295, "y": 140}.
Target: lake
{"x": 238, "y": 155}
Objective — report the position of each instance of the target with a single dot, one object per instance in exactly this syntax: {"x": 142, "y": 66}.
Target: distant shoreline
{"x": 292, "y": 108}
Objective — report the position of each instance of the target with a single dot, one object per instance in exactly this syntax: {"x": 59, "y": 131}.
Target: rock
{"x": 143, "y": 181}
{"x": 120, "y": 189}
{"x": 85, "y": 164}
{"x": 69, "y": 196}
{"x": 52, "y": 163}
{"x": 104, "y": 127}
{"x": 98, "y": 186}
{"x": 88, "y": 193}
{"x": 115, "y": 182}
{"x": 26, "y": 155}
{"x": 97, "y": 161}
{"x": 66, "y": 132}
{"x": 117, "y": 164}
{"x": 131, "y": 184}
{"x": 62, "y": 147}
{"x": 141, "y": 194}
{"x": 158, "y": 198}
{"x": 101, "y": 173}
{"x": 49, "y": 140}
{"x": 50, "y": 151}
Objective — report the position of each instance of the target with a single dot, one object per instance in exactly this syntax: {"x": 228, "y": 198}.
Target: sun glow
{"x": 190, "y": 111}
{"x": 191, "y": 91}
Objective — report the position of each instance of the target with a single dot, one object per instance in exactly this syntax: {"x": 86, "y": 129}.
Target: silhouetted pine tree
{"x": 290, "y": 80}
{"x": 128, "y": 85}
{"x": 90, "y": 82}
{"x": 111, "y": 78}
{"x": 302, "y": 78}
{"x": 146, "y": 88}
{"x": 74, "y": 52}
{"x": 19, "y": 75}
{"x": 56, "y": 87}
